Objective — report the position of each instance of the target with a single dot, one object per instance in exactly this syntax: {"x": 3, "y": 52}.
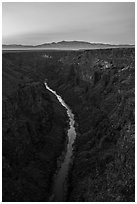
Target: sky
{"x": 36, "y": 23}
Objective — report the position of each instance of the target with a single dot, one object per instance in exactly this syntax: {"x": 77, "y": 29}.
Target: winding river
{"x": 58, "y": 188}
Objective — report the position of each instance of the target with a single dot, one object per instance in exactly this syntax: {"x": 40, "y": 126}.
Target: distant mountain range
{"x": 64, "y": 45}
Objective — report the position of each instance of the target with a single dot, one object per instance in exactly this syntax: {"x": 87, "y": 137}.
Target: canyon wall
{"x": 99, "y": 87}
{"x": 34, "y": 136}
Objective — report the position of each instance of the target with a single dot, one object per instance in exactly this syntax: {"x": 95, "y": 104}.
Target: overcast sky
{"x": 37, "y": 23}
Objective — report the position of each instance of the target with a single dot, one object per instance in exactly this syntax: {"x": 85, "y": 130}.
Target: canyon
{"x": 99, "y": 87}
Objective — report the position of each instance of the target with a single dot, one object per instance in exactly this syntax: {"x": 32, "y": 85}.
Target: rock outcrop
{"x": 99, "y": 87}
{"x": 34, "y": 135}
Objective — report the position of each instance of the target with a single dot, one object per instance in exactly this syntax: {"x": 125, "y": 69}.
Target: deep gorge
{"x": 98, "y": 85}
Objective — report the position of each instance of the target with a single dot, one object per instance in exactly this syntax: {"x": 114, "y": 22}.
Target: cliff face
{"x": 99, "y": 87}
{"x": 34, "y": 124}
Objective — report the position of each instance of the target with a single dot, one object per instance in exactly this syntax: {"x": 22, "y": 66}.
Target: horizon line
{"x": 105, "y": 43}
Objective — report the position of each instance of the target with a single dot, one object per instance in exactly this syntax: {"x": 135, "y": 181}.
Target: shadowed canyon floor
{"x": 98, "y": 85}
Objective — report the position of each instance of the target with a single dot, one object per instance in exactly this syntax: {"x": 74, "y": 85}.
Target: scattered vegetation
{"x": 99, "y": 87}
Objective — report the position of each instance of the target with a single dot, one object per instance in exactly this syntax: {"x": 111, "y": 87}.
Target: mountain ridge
{"x": 66, "y": 45}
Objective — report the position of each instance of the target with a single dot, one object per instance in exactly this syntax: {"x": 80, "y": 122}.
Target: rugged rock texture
{"x": 34, "y": 136}
{"x": 99, "y": 87}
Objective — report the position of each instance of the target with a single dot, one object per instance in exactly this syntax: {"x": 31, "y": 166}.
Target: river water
{"x": 58, "y": 188}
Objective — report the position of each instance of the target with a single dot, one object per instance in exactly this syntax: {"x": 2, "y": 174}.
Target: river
{"x": 58, "y": 187}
